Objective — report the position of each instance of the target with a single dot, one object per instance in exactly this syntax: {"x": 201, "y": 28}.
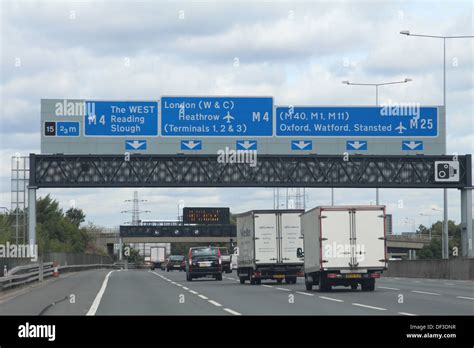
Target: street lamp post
{"x": 429, "y": 217}
{"x": 376, "y": 85}
{"x": 445, "y": 243}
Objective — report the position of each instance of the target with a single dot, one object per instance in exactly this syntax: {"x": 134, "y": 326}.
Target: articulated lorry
{"x": 343, "y": 245}
{"x": 268, "y": 241}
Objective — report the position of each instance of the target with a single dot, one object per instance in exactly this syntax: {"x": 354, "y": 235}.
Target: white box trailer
{"x": 344, "y": 245}
{"x": 157, "y": 256}
{"x": 268, "y": 241}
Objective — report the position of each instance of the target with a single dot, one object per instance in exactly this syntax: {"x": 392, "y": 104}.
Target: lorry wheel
{"x": 294, "y": 280}
{"x": 219, "y": 276}
{"x": 354, "y": 286}
{"x": 279, "y": 281}
{"x": 308, "y": 284}
{"x": 242, "y": 280}
{"x": 258, "y": 281}
{"x": 189, "y": 277}
{"x": 167, "y": 270}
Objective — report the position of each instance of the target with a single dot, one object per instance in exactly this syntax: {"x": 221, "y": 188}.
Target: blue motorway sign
{"x": 388, "y": 121}
{"x": 246, "y": 145}
{"x": 357, "y": 145}
{"x": 117, "y": 118}
{"x": 301, "y": 145}
{"x": 216, "y": 116}
{"x": 412, "y": 145}
{"x": 67, "y": 129}
{"x": 135, "y": 145}
{"x": 189, "y": 145}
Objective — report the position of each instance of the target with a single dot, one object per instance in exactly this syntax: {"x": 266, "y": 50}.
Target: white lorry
{"x": 343, "y": 245}
{"x": 268, "y": 241}
{"x": 157, "y": 256}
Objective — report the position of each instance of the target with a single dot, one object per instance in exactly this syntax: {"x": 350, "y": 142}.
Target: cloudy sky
{"x": 298, "y": 52}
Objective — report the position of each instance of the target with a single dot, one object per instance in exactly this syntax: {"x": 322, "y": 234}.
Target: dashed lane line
{"x": 465, "y": 298}
{"x": 283, "y": 289}
{"x": 304, "y": 293}
{"x": 231, "y": 311}
{"x": 267, "y": 286}
{"x": 405, "y": 313}
{"x": 217, "y": 304}
{"x": 426, "y": 293}
{"x": 193, "y": 292}
{"x": 203, "y": 297}
{"x": 371, "y": 307}
{"x": 331, "y": 299}
{"x": 385, "y": 287}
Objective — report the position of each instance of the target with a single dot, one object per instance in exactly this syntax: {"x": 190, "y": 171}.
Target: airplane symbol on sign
{"x": 400, "y": 128}
{"x": 228, "y": 117}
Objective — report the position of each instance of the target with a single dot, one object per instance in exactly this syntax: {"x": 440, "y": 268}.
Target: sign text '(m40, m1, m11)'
{"x": 104, "y": 118}
{"x": 357, "y": 121}
{"x": 217, "y": 116}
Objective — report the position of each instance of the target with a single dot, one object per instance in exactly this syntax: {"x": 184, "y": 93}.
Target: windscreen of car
{"x": 224, "y": 251}
{"x": 177, "y": 258}
{"x": 204, "y": 252}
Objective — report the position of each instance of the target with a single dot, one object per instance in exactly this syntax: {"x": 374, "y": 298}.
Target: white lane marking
{"x": 426, "y": 293}
{"x": 231, "y": 278}
{"x": 98, "y": 298}
{"x": 415, "y": 281}
{"x": 203, "y": 297}
{"x": 193, "y": 292}
{"x": 185, "y": 288}
{"x": 174, "y": 283}
{"x": 371, "y": 307}
{"x": 179, "y": 285}
{"x": 283, "y": 289}
{"x": 304, "y": 293}
{"x": 385, "y": 287}
{"x": 449, "y": 284}
{"x": 215, "y": 303}
{"x": 267, "y": 286}
{"x": 405, "y": 313}
{"x": 231, "y": 311}
{"x": 465, "y": 298}
{"x": 330, "y": 299}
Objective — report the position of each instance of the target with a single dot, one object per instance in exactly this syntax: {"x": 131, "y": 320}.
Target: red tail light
{"x": 190, "y": 257}
{"x": 219, "y": 256}
{"x": 332, "y": 275}
{"x": 374, "y": 275}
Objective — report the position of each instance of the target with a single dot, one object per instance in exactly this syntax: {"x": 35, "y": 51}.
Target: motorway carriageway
{"x": 145, "y": 292}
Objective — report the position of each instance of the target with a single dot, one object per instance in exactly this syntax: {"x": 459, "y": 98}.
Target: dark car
{"x": 175, "y": 262}
{"x": 204, "y": 262}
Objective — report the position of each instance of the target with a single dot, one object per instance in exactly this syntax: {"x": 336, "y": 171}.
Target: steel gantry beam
{"x": 361, "y": 171}
{"x": 179, "y": 231}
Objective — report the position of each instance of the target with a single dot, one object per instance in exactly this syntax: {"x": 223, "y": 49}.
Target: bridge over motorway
{"x": 397, "y": 245}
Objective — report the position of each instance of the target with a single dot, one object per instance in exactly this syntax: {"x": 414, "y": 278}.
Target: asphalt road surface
{"x": 144, "y": 292}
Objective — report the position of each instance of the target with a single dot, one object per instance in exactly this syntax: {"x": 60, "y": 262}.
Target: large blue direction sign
{"x": 216, "y": 116}
{"x": 115, "y": 118}
{"x": 389, "y": 121}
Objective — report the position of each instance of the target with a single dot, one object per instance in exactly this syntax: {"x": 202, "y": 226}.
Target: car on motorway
{"x": 175, "y": 262}
{"x": 163, "y": 264}
{"x": 204, "y": 262}
{"x": 234, "y": 260}
{"x": 226, "y": 267}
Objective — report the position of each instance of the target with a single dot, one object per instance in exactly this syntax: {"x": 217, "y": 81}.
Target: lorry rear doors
{"x": 290, "y": 236}
{"x": 370, "y": 238}
{"x": 266, "y": 249}
{"x": 335, "y": 238}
